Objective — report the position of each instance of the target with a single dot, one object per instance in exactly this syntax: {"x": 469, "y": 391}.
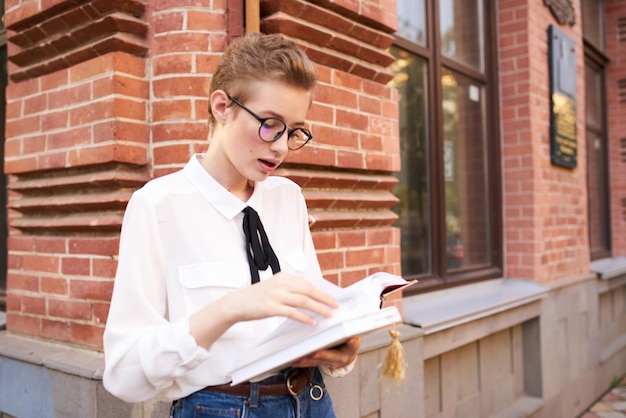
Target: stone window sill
{"x": 609, "y": 268}
{"x": 444, "y": 309}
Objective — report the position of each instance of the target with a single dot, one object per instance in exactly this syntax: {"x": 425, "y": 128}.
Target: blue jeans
{"x": 204, "y": 404}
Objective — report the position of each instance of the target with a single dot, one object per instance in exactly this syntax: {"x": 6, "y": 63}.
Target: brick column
{"x": 545, "y": 206}
{"x": 76, "y": 147}
{"x": 186, "y": 44}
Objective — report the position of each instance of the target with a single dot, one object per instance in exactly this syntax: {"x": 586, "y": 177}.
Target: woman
{"x": 194, "y": 291}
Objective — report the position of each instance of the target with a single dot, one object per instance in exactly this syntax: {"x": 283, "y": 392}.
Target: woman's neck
{"x": 236, "y": 184}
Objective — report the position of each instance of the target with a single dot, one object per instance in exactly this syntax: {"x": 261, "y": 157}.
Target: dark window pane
{"x": 598, "y": 219}
{"x": 465, "y": 172}
{"x": 597, "y": 164}
{"x": 412, "y": 21}
{"x": 593, "y": 22}
{"x": 447, "y": 210}
{"x": 461, "y": 30}
{"x": 410, "y": 78}
{"x": 593, "y": 97}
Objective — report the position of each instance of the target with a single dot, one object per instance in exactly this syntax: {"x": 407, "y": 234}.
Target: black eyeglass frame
{"x": 290, "y": 131}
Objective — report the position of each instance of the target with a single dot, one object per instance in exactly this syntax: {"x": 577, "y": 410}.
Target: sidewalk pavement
{"x": 611, "y": 405}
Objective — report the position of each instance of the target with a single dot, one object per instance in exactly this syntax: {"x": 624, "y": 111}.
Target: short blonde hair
{"x": 260, "y": 57}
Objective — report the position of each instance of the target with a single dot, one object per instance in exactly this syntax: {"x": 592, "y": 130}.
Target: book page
{"x": 355, "y": 300}
{"x": 259, "y": 364}
{"x": 291, "y": 330}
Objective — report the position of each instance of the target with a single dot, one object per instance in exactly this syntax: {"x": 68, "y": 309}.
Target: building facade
{"x": 478, "y": 146}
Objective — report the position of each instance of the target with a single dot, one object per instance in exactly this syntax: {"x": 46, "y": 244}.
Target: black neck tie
{"x": 260, "y": 252}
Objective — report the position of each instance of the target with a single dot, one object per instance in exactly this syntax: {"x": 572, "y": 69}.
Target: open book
{"x": 359, "y": 313}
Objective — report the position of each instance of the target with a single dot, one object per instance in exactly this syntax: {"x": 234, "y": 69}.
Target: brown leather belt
{"x": 295, "y": 382}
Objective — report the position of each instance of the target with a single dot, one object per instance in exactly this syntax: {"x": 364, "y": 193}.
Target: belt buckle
{"x": 293, "y": 375}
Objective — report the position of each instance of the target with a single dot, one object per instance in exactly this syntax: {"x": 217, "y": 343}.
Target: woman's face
{"x": 252, "y": 158}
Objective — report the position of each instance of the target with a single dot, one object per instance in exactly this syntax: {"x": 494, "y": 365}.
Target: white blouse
{"x": 182, "y": 247}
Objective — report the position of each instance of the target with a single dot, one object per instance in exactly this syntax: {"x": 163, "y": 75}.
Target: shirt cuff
{"x": 337, "y": 371}
{"x": 191, "y": 354}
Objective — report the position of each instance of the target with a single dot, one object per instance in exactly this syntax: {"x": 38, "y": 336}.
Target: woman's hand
{"x": 281, "y": 295}
{"x": 336, "y": 357}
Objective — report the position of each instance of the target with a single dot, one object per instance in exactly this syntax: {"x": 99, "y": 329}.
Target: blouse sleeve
{"x": 144, "y": 352}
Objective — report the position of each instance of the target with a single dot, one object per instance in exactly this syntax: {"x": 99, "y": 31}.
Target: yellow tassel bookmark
{"x": 395, "y": 365}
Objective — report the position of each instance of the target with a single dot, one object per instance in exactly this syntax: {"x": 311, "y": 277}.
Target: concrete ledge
{"x": 444, "y": 309}
{"x": 609, "y": 268}
{"x": 49, "y": 380}
{"x": 67, "y": 359}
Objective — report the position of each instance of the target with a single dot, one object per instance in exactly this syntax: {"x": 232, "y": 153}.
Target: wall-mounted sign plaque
{"x": 562, "y": 56}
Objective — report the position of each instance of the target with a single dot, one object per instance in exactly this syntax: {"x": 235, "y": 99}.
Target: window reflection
{"x": 461, "y": 31}
{"x": 410, "y": 78}
{"x": 593, "y": 96}
{"x": 448, "y": 212}
{"x": 597, "y": 157}
{"x": 465, "y": 168}
{"x": 412, "y": 21}
{"x": 593, "y": 22}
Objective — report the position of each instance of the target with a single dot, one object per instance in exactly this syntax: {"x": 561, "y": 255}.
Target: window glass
{"x": 448, "y": 187}
{"x": 593, "y": 96}
{"x": 410, "y": 78}
{"x": 597, "y": 164}
{"x": 598, "y": 193}
{"x": 461, "y": 31}
{"x": 593, "y": 22}
{"x": 464, "y": 170}
{"x": 412, "y": 21}
{"x": 598, "y": 221}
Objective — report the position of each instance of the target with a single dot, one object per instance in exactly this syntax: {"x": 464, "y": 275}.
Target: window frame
{"x": 436, "y": 62}
{"x": 597, "y": 59}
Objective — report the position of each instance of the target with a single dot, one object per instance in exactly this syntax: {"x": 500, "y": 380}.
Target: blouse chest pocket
{"x": 295, "y": 262}
{"x": 203, "y": 283}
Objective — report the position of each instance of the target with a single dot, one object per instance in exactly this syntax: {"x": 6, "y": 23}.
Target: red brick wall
{"x": 104, "y": 95}
{"x": 545, "y": 206}
{"x": 185, "y": 46}
{"x": 77, "y": 143}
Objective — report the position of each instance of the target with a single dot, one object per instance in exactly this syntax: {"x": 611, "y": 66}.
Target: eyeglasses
{"x": 272, "y": 129}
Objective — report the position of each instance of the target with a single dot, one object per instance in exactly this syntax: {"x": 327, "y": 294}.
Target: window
{"x": 593, "y": 22}
{"x": 596, "y": 130}
{"x": 448, "y": 188}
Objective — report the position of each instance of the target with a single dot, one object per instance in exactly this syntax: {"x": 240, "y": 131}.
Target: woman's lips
{"x": 268, "y": 165}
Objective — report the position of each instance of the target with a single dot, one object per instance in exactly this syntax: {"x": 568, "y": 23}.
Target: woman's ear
{"x": 219, "y": 106}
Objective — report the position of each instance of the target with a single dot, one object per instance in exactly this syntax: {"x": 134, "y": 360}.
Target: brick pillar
{"x": 76, "y": 147}
{"x": 185, "y": 47}
{"x": 545, "y": 206}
